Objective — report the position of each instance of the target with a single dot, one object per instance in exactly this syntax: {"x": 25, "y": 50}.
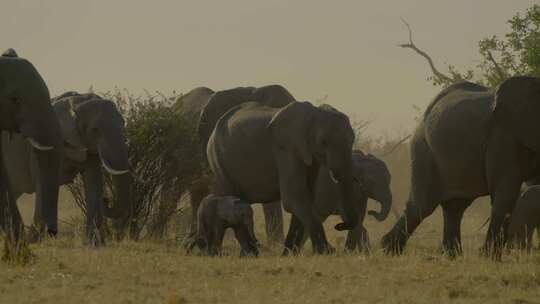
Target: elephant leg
{"x": 503, "y": 202}
{"x": 423, "y": 200}
{"x": 529, "y": 244}
{"x": 37, "y": 229}
{"x": 10, "y": 218}
{"x": 537, "y": 229}
{"x": 198, "y": 191}
{"x": 453, "y": 214}
{"x": 273, "y": 217}
{"x": 357, "y": 239}
{"x": 394, "y": 241}
{"x": 93, "y": 189}
{"x": 296, "y": 231}
{"x": 247, "y": 243}
{"x": 300, "y": 241}
{"x": 212, "y": 241}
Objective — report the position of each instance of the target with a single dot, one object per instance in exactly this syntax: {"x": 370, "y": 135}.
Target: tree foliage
{"x": 516, "y": 53}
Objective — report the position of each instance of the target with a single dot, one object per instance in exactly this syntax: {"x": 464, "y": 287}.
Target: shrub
{"x": 165, "y": 159}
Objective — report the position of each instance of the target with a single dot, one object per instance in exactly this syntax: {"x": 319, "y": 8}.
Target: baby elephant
{"x": 215, "y": 215}
{"x": 525, "y": 218}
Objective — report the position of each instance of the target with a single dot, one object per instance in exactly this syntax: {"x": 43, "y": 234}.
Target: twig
{"x": 394, "y": 147}
{"x": 442, "y": 77}
{"x": 497, "y": 67}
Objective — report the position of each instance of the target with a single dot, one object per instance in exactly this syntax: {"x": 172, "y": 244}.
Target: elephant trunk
{"x": 121, "y": 207}
{"x": 114, "y": 159}
{"x": 343, "y": 178}
{"x": 386, "y": 207}
{"x": 48, "y": 174}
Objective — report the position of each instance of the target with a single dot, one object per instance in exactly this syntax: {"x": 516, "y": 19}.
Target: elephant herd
{"x": 264, "y": 146}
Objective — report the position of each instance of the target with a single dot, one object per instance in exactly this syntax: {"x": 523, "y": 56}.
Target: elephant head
{"x": 220, "y": 102}
{"x": 25, "y": 108}
{"x": 95, "y": 128}
{"x": 374, "y": 177}
{"x": 517, "y": 107}
{"x": 315, "y": 137}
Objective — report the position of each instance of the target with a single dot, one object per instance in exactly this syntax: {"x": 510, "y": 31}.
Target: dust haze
{"x": 345, "y": 50}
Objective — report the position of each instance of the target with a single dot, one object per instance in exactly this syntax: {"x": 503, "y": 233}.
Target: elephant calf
{"x": 372, "y": 181}
{"x": 525, "y": 218}
{"x": 215, "y": 215}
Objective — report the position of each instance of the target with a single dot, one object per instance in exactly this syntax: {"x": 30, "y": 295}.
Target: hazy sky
{"x": 346, "y": 49}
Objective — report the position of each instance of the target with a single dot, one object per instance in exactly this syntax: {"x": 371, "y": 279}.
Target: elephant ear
{"x": 73, "y": 145}
{"x": 10, "y": 53}
{"x": 273, "y": 95}
{"x": 517, "y": 109}
{"x": 290, "y": 128}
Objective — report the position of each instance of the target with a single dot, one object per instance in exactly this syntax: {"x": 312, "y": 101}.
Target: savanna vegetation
{"x": 149, "y": 265}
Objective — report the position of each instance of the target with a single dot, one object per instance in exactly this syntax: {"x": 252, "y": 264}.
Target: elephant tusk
{"x": 111, "y": 170}
{"x": 334, "y": 179}
{"x": 39, "y": 146}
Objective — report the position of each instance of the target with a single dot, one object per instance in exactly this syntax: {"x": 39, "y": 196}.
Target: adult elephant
{"x": 262, "y": 154}
{"x": 373, "y": 181}
{"x": 25, "y": 108}
{"x": 93, "y": 135}
{"x": 211, "y": 106}
{"x": 471, "y": 142}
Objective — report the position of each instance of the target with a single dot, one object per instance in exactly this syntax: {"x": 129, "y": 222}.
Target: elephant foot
{"x": 249, "y": 254}
{"x": 393, "y": 244}
{"x": 288, "y": 252}
{"x": 360, "y": 248}
{"x": 325, "y": 249}
{"x": 251, "y": 251}
{"x": 452, "y": 250}
{"x": 33, "y": 236}
{"x": 52, "y": 233}
{"x": 491, "y": 251}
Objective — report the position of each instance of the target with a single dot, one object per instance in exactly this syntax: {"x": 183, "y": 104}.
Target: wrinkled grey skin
{"x": 211, "y": 106}
{"x": 372, "y": 181}
{"x": 215, "y": 215}
{"x": 25, "y": 108}
{"x": 93, "y": 136}
{"x": 471, "y": 142}
{"x": 525, "y": 218}
{"x": 262, "y": 154}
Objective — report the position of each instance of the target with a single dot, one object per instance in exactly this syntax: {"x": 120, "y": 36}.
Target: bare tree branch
{"x": 394, "y": 147}
{"x": 500, "y": 72}
{"x": 440, "y": 76}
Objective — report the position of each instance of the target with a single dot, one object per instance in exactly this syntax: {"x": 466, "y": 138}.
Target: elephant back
{"x": 194, "y": 101}
{"x": 275, "y": 96}
{"x": 464, "y": 86}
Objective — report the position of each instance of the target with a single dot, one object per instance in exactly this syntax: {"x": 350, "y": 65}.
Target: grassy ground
{"x": 145, "y": 272}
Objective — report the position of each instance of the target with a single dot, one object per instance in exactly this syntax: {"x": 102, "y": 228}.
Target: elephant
{"x": 525, "y": 218}
{"x": 215, "y": 215}
{"x": 25, "y": 109}
{"x": 211, "y": 106}
{"x": 262, "y": 154}
{"x": 92, "y": 129}
{"x": 472, "y": 141}
{"x": 373, "y": 181}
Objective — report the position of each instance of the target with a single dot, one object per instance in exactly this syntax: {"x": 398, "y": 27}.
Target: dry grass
{"x": 150, "y": 272}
